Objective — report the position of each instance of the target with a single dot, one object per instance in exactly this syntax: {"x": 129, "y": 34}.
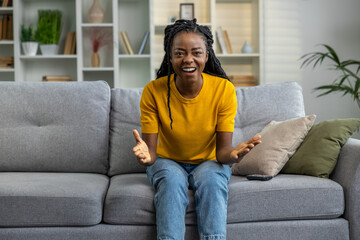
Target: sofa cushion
{"x": 125, "y": 116}
{"x": 318, "y": 154}
{"x": 279, "y": 141}
{"x": 51, "y": 199}
{"x": 129, "y": 200}
{"x": 285, "y": 197}
{"x": 259, "y": 105}
{"x": 54, "y": 126}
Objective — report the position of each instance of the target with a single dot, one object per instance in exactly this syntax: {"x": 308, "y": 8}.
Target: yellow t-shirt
{"x": 195, "y": 121}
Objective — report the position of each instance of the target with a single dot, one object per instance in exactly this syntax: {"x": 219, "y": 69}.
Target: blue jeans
{"x": 171, "y": 181}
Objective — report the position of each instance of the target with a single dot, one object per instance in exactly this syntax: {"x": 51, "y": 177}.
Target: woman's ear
{"x": 207, "y": 56}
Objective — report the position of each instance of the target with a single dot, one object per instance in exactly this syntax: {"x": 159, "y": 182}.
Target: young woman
{"x": 187, "y": 120}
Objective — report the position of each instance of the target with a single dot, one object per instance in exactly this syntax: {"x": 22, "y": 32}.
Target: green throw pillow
{"x": 318, "y": 153}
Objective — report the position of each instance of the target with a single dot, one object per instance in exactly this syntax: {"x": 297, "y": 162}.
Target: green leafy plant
{"x": 26, "y": 34}
{"x": 348, "y": 82}
{"x": 49, "y": 27}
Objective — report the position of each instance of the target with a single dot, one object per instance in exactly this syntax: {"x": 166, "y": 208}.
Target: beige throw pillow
{"x": 279, "y": 142}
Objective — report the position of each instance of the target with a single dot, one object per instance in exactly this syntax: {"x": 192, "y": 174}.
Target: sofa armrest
{"x": 347, "y": 174}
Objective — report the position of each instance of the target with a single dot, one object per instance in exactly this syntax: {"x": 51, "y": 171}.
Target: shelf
{"x": 6, "y": 10}
{"x": 47, "y": 57}
{"x": 6, "y": 42}
{"x": 238, "y": 55}
{"x": 234, "y": 1}
{"x": 6, "y": 70}
{"x": 159, "y": 28}
{"x": 163, "y": 26}
{"x": 90, "y": 25}
{"x": 99, "y": 69}
{"x": 125, "y": 56}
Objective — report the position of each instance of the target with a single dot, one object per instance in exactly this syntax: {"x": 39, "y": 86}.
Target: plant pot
{"x": 95, "y": 60}
{"x": 30, "y": 48}
{"x": 49, "y": 49}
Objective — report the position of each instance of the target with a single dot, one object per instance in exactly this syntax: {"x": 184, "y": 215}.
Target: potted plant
{"x": 48, "y": 31}
{"x": 348, "y": 81}
{"x": 28, "y": 44}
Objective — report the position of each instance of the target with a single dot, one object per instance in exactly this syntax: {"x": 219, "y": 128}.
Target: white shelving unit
{"x": 241, "y": 18}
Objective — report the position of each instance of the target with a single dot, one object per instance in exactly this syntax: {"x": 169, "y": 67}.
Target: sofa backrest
{"x": 124, "y": 117}
{"x": 257, "y": 106}
{"x": 54, "y": 126}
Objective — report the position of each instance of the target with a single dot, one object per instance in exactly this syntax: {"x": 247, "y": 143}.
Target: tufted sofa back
{"x": 69, "y": 127}
{"x": 54, "y": 127}
{"x": 259, "y": 105}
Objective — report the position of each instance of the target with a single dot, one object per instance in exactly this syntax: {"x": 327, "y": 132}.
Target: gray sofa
{"x": 67, "y": 170}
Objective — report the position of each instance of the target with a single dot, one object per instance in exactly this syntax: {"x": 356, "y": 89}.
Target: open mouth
{"x": 189, "y": 70}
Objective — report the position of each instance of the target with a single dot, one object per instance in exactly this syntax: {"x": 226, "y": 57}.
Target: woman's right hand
{"x": 141, "y": 150}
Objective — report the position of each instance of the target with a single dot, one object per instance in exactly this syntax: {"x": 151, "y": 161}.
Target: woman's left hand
{"x": 243, "y": 148}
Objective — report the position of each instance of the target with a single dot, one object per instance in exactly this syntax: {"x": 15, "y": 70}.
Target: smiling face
{"x": 188, "y": 56}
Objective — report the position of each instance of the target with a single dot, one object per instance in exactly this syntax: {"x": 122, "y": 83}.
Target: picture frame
{"x": 187, "y": 11}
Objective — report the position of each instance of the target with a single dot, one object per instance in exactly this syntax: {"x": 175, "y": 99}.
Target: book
{"x": 221, "y": 39}
{"x": 143, "y": 43}
{"x": 127, "y": 42}
{"x": 1, "y": 20}
{"x": 6, "y": 59}
{"x": 56, "y": 78}
{"x": 4, "y": 3}
{"x": 9, "y": 34}
{"x": 227, "y": 41}
{"x": 4, "y": 27}
{"x": 121, "y": 35}
{"x": 6, "y": 62}
{"x": 244, "y": 84}
{"x": 242, "y": 80}
{"x": 73, "y": 43}
{"x": 68, "y": 42}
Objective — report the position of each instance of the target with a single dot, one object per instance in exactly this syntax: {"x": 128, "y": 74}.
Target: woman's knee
{"x": 167, "y": 173}
{"x": 212, "y": 173}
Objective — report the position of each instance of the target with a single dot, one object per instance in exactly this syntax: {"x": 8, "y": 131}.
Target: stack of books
{"x": 70, "y": 43}
{"x": 56, "y": 78}
{"x": 242, "y": 80}
{"x": 6, "y": 3}
{"x": 6, "y": 62}
{"x": 6, "y": 27}
{"x": 126, "y": 43}
{"x": 223, "y": 40}
{"x": 128, "y": 49}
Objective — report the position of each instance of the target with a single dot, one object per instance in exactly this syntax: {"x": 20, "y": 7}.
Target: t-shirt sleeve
{"x": 149, "y": 117}
{"x": 227, "y": 110}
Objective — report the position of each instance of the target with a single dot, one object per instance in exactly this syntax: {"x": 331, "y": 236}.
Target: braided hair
{"x": 212, "y": 66}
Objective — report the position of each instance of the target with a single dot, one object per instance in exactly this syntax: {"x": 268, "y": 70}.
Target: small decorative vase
{"x": 95, "y": 60}
{"x": 96, "y": 13}
{"x": 247, "y": 48}
{"x": 30, "y": 48}
{"x": 49, "y": 49}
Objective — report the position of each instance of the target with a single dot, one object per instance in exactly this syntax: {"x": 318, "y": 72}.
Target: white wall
{"x": 332, "y": 22}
